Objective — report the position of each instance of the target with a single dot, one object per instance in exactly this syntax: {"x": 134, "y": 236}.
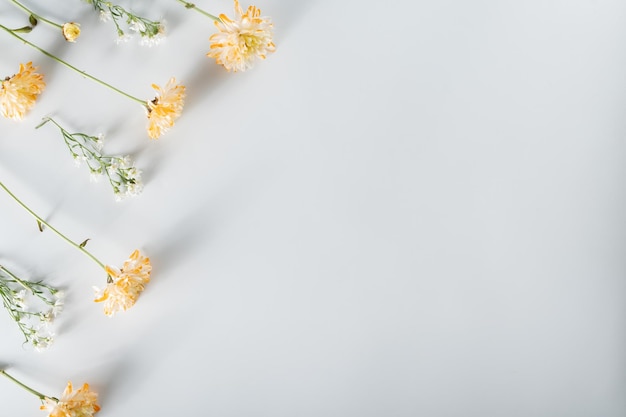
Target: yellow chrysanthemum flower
{"x": 71, "y": 31}
{"x": 79, "y": 403}
{"x": 239, "y": 41}
{"x": 19, "y": 92}
{"x": 165, "y": 108}
{"x": 126, "y": 284}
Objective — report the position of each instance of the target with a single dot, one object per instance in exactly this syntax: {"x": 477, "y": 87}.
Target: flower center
{"x": 250, "y": 42}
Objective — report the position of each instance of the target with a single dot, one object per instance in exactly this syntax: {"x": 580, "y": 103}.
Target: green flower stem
{"x": 83, "y": 73}
{"x": 197, "y": 9}
{"x": 26, "y": 387}
{"x": 16, "y": 278}
{"x": 61, "y": 235}
{"x": 39, "y": 17}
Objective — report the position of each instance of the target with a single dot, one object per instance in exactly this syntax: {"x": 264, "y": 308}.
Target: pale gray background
{"x": 413, "y": 208}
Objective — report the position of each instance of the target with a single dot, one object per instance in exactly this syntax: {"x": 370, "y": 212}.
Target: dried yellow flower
{"x": 126, "y": 284}
{"x": 71, "y": 31}
{"x": 79, "y": 403}
{"x": 165, "y": 108}
{"x": 239, "y": 41}
{"x": 19, "y": 92}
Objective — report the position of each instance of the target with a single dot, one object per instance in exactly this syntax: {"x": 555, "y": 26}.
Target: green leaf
{"x": 82, "y": 245}
{"x": 25, "y": 29}
{"x": 33, "y": 20}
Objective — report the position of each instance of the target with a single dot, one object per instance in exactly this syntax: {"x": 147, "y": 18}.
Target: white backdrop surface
{"x": 412, "y": 208}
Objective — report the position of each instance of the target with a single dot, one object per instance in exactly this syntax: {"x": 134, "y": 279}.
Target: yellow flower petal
{"x": 79, "y": 403}
{"x": 241, "y": 40}
{"x": 19, "y": 92}
{"x": 165, "y": 108}
{"x": 126, "y": 284}
{"x": 71, "y": 31}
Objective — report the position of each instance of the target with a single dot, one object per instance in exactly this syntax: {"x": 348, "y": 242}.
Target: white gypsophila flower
{"x": 105, "y": 15}
{"x": 42, "y": 343}
{"x": 122, "y": 39}
{"x": 95, "y": 175}
{"x": 133, "y": 173}
{"x": 151, "y": 41}
{"x": 32, "y": 305}
{"x": 125, "y": 162}
{"x": 113, "y": 166}
{"x": 59, "y": 303}
{"x": 137, "y": 26}
{"x": 99, "y": 142}
{"x": 46, "y": 317}
{"x": 134, "y": 189}
{"x": 19, "y": 299}
{"x": 41, "y": 337}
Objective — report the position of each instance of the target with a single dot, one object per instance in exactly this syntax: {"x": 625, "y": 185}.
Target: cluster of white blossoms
{"x": 151, "y": 32}
{"x": 120, "y": 171}
{"x": 124, "y": 177}
{"x": 32, "y": 305}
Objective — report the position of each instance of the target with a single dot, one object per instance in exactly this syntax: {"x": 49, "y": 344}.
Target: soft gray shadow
{"x": 124, "y": 373}
{"x": 64, "y": 323}
{"x": 174, "y": 21}
{"x": 188, "y": 232}
{"x": 119, "y": 375}
{"x": 132, "y": 369}
{"x": 151, "y": 165}
{"x": 206, "y": 78}
{"x": 285, "y": 15}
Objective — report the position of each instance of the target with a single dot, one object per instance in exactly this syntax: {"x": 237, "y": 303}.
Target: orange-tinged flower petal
{"x": 79, "y": 403}
{"x": 165, "y": 108}
{"x": 126, "y": 284}
{"x": 19, "y": 92}
{"x": 240, "y": 41}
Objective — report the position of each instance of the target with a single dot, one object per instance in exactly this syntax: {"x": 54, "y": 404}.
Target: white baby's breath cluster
{"x": 150, "y": 31}
{"x": 122, "y": 175}
{"x": 32, "y": 305}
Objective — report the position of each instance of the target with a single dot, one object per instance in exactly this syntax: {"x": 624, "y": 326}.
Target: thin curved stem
{"x": 26, "y": 387}
{"x": 197, "y": 9}
{"x": 61, "y": 235}
{"x": 39, "y": 17}
{"x": 83, "y": 73}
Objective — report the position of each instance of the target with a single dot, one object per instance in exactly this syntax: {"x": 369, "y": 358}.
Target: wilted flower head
{"x": 79, "y": 403}
{"x": 239, "y": 41}
{"x": 71, "y": 31}
{"x": 125, "y": 285}
{"x": 165, "y": 108}
{"x": 19, "y": 92}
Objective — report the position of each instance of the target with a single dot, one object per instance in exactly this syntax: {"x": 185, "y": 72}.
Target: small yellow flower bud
{"x": 71, "y": 31}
